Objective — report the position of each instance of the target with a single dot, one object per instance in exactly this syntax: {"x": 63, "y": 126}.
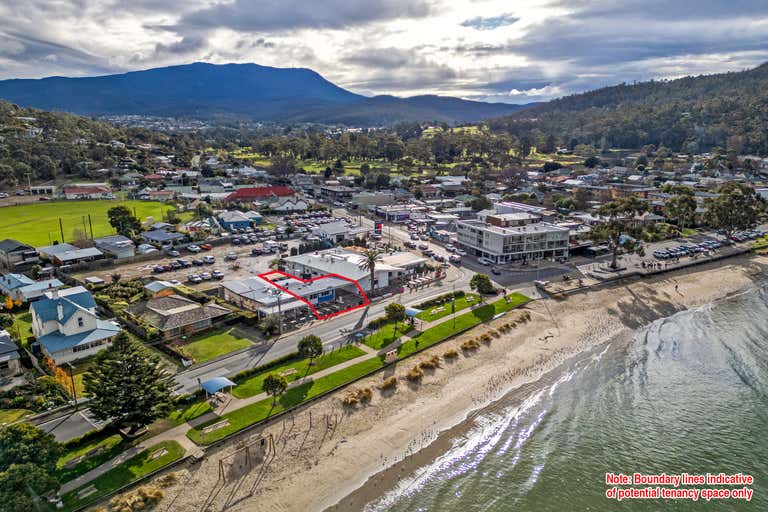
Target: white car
{"x": 193, "y": 248}
{"x": 461, "y": 252}
{"x": 3, "y": 195}
{"x": 484, "y": 261}
{"x": 209, "y": 259}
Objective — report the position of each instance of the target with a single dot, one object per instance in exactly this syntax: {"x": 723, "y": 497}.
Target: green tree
{"x": 24, "y": 443}
{"x": 128, "y": 385}
{"x": 591, "y": 162}
{"x": 275, "y": 385}
{"x": 681, "y": 207}
{"x": 6, "y": 320}
{"x": 310, "y": 346}
{"x": 620, "y": 230}
{"x": 370, "y": 259}
{"x": 395, "y": 312}
{"x": 26, "y": 488}
{"x": 121, "y": 218}
{"x": 481, "y": 283}
{"x": 736, "y": 207}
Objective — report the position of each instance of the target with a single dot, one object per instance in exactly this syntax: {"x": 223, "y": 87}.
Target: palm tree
{"x": 370, "y": 258}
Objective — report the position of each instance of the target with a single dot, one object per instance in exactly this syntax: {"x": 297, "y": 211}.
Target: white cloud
{"x": 529, "y": 50}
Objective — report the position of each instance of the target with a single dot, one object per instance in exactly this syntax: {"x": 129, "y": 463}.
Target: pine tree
{"x": 128, "y": 385}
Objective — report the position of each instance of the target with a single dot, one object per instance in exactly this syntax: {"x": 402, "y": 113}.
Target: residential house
{"x": 50, "y": 251}
{"x": 116, "y": 246}
{"x": 20, "y": 287}
{"x": 77, "y": 256}
{"x": 15, "y": 255}
{"x": 337, "y": 192}
{"x": 289, "y": 205}
{"x": 10, "y": 360}
{"x": 173, "y": 315}
{"x": 162, "y": 237}
{"x": 67, "y": 327}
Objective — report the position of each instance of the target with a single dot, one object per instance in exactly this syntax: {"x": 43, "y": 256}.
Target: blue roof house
{"x": 234, "y": 220}
{"x": 67, "y": 327}
{"x": 162, "y": 237}
{"x": 21, "y": 287}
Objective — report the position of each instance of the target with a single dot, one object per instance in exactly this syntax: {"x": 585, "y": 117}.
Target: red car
{"x": 206, "y": 247}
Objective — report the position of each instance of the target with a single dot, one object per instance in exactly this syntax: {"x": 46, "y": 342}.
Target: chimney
{"x": 59, "y": 310}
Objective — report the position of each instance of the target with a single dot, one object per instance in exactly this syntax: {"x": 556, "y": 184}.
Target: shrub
{"x": 451, "y": 354}
{"x": 143, "y": 498}
{"x": 495, "y": 334}
{"x": 365, "y": 395}
{"x": 389, "y": 383}
{"x": 430, "y": 364}
{"x": 415, "y": 374}
{"x": 168, "y": 479}
{"x": 350, "y": 400}
{"x": 470, "y": 345}
{"x": 485, "y": 338}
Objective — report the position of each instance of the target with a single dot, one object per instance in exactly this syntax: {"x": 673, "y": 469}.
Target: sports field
{"x": 38, "y": 223}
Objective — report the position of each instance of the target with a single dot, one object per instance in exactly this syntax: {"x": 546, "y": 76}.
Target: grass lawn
{"x": 11, "y": 415}
{"x": 109, "y": 446}
{"x": 760, "y": 243}
{"x": 252, "y": 385}
{"x": 22, "y": 327}
{"x": 38, "y": 223}
{"x": 689, "y": 232}
{"x": 463, "y": 322}
{"x": 212, "y": 345}
{"x": 386, "y": 334}
{"x": 440, "y": 310}
{"x": 189, "y": 412}
{"x": 254, "y": 413}
{"x": 130, "y": 470}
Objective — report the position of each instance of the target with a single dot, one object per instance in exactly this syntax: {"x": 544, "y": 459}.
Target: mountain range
{"x": 238, "y": 91}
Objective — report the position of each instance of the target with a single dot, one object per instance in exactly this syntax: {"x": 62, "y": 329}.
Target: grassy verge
{"x": 259, "y": 411}
{"x": 212, "y": 345}
{"x": 689, "y": 232}
{"x": 11, "y": 415}
{"x": 252, "y": 385}
{"x": 108, "y": 447}
{"x": 386, "y": 334}
{"x": 130, "y": 470}
{"x": 189, "y": 412}
{"x": 460, "y": 323}
{"x": 438, "y": 311}
{"x": 760, "y": 243}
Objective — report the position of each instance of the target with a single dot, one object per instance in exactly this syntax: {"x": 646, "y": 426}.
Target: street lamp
{"x": 277, "y": 292}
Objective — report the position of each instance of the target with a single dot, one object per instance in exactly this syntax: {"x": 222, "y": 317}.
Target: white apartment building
{"x": 500, "y": 244}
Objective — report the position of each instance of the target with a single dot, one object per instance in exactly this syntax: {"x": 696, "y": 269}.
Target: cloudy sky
{"x": 496, "y": 50}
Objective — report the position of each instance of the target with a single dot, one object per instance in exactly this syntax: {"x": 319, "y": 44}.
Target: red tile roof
{"x": 86, "y": 190}
{"x": 154, "y": 177}
{"x": 251, "y": 193}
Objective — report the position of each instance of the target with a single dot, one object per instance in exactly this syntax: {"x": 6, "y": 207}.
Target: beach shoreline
{"x": 342, "y": 459}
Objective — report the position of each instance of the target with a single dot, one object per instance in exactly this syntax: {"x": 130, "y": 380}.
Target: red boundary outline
{"x": 366, "y": 300}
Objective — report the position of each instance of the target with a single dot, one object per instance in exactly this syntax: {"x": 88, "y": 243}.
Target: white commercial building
{"x": 506, "y": 244}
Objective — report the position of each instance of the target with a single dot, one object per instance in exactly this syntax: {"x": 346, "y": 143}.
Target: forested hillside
{"x": 692, "y": 114}
{"x": 48, "y": 145}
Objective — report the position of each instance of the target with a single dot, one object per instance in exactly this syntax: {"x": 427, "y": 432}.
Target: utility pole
{"x": 72, "y": 381}
{"x": 29, "y": 182}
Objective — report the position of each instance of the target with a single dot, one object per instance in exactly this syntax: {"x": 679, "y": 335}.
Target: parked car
{"x": 194, "y": 278}
{"x": 167, "y": 268}
{"x": 158, "y": 269}
{"x": 3, "y": 195}
{"x": 206, "y": 276}
{"x": 255, "y": 251}
{"x": 184, "y": 263}
{"x": 484, "y": 261}
{"x": 495, "y": 271}
{"x": 423, "y": 237}
{"x": 438, "y": 257}
{"x": 206, "y": 247}
{"x": 410, "y": 245}
{"x": 209, "y": 259}
{"x": 175, "y": 265}
{"x": 173, "y": 253}
{"x": 231, "y": 256}
{"x": 217, "y": 274}
{"x": 175, "y": 282}
{"x": 450, "y": 248}
{"x": 454, "y": 258}
{"x": 423, "y": 247}
{"x": 236, "y": 241}
{"x": 461, "y": 252}
{"x": 193, "y": 248}
{"x": 414, "y": 236}
{"x": 197, "y": 262}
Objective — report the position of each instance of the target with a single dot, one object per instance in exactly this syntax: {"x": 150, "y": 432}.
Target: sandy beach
{"x": 325, "y": 455}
